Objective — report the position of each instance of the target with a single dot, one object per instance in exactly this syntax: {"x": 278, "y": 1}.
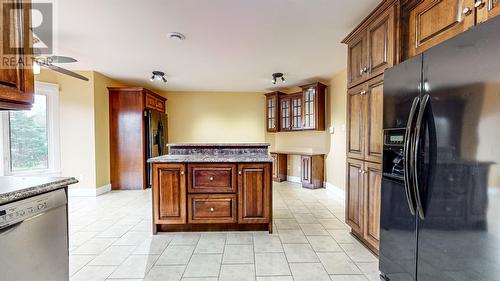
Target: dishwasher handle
{"x": 9, "y": 228}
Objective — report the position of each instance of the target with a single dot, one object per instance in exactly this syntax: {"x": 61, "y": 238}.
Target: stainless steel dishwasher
{"x": 34, "y": 238}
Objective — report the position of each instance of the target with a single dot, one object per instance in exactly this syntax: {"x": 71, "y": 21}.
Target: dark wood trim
{"x": 214, "y": 227}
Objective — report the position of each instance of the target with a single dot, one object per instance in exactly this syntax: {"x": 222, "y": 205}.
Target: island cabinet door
{"x": 169, "y": 193}
{"x": 254, "y": 193}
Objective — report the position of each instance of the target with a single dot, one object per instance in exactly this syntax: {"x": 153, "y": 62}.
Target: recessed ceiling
{"x": 231, "y": 45}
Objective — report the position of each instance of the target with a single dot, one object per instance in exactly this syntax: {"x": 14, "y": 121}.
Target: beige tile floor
{"x": 110, "y": 239}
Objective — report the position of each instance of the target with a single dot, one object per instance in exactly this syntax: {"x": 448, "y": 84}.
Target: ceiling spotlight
{"x": 278, "y": 75}
{"x": 176, "y": 36}
{"x": 158, "y": 76}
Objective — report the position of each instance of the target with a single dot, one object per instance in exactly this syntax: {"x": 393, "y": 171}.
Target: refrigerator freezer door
{"x": 398, "y": 234}
{"x": 459, "y": 235}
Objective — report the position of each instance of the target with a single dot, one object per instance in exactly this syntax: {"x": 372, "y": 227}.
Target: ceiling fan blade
{"x": 65, "y": 71}
{"x": 60, "y": 59}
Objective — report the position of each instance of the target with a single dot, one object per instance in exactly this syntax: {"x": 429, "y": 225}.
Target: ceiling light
{"x": 276, "y": 76}
{"x": 176, "y": 36}
{"x": 158, "y": 76}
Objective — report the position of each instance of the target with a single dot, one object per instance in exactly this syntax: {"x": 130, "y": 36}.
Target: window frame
{"x": 51, "y": 92}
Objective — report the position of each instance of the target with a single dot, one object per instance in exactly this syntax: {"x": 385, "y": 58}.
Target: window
{"x": 31, "y": 139}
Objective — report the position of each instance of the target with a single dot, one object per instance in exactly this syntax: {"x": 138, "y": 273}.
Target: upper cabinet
{"x": 16, "y": 78}
{"x": 430, "y": 22}
{"x": 487, "y": 9}
{"x": 434, "y": 21}
{"x": 299, "y": 111}
{"x": 371, "y": 48}
{"x": 272, "y": 110}
{"x": 313, "y": 109}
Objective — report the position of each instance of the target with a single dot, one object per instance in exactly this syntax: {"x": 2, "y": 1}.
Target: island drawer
{"x": 212, "y": 208}
{"x": 212, "y": 178}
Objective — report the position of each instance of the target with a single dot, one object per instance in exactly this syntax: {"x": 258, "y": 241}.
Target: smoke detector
{"x": 176, "y": 36}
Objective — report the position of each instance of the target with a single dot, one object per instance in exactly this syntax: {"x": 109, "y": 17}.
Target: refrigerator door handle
{"x": 406, "y": 154}
{"x": 415, "y": 154}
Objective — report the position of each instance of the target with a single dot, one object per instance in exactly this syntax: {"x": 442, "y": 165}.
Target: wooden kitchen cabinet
{"x": 355, "y": 195}
{"x": 312, "y": 171}
{"x": 169, "y": 196}
{"x": 364, "y": 120}
{"x": 272, "y": 111}
{"x": 212, "y": 196}
{"x": 371, "y": 48}
{"x": 16, "y": 79}
{"x": 363, "y": 200}
{"x": 296, "y": 112}
{"x": 279, "y": 166}
{"x": 313, "y": 106}
{"x": 372, "y": 182}
{"x": 487, "y": 9}
{"x": 127, "y": 134}
{"x": 285, "y": 113}
{"x": 254, "y": 193}
{"x": 434, "y": 21}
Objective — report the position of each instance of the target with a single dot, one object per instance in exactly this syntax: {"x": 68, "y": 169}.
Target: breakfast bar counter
{"x": 212, "y": 187}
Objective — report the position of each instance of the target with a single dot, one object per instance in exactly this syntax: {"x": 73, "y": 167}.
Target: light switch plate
{"x": 332, "y": 130}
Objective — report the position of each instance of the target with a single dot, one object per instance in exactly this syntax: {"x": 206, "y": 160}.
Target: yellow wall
{"x": 337, "y": 102}
{"x": 84, "y": 126}
{"x": 215, "y": 117}
{"x": 76, "y": 125}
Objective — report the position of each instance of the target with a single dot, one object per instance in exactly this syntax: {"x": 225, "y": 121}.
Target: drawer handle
{"x": 211, "y": 178}
{"x": 212, "y": 209}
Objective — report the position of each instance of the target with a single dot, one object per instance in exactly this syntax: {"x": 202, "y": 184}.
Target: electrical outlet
{"x": 332, "y": 130}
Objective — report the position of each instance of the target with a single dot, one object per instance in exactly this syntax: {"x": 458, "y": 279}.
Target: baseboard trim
{"x": 89, "y": 192}
{"x": 293, "y": 179}
{"x": 337, "y": 191}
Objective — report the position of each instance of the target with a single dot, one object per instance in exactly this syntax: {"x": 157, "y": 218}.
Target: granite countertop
{"x": 15, "y": 188}
{"x": 203, "y": 158}
{"x": 218, "y": 144}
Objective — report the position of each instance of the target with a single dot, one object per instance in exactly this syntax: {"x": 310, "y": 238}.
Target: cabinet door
{"x": 272, "y": 113}
{"x": 297, "y": 112}
{"x": 286, "y": 114}
{"x": 487, "y": 9}
{"x": 356, "y": 60}
{"x": 380, "y": 43}
{"x": 306, "y": 170}
{"x": 309, "y": 110}
{"x": 16, "y": 79}
{"x": 274, "y": 156}
{"x": 254, "y": 193}
{"x": 434, "y": 21}
{"x": 372, "y": 184}
{"x": 355, "y": 195}
{"x": 373, "y": 127}
{"x": 355, "y": 117}
{"x": 169, "y": 193}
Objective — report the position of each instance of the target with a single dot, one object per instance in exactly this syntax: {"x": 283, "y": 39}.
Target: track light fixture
{"x": 276, "y": 76}
{"x": 158, "y": 76}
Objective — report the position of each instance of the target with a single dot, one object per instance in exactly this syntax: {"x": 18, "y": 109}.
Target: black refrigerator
{"x": 440, "y": 195}
{"x": 156, "y": 138}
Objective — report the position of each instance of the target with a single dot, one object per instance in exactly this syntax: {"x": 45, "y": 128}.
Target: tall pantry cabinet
{"x": 371, "y": 49}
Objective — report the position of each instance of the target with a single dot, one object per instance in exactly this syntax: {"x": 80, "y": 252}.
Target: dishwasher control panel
{"x": 21, "y": 210}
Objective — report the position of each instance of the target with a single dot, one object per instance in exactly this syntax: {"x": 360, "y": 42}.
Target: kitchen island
{"x": 212, "y": 187}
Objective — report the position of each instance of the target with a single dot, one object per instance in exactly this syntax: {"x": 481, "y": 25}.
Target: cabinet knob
{"x": 363, "y": 93}
{"x": 365, "y": 69}
{"x": 211, "y": 178}
{"x": 361, "y": 71}
{"x": 479, "y": 4}
{"x": 240, "y": 173}
{"x": 212, "y": 209}
{"x": 182, "y": 172}
{"x": 360, "y": 171}
{"x": 467, "y": 11}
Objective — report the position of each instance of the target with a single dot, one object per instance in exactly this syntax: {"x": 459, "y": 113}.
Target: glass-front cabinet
{"x": 313, "y": 106}
{"x": 304, "y": 110}
{"x": 272, "y": 110}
